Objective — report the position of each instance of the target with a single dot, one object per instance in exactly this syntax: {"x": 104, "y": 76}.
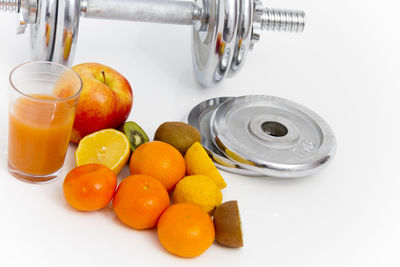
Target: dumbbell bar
{"x": 223, "y": 30}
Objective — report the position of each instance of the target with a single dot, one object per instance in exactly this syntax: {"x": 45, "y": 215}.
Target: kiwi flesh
{"x": 228, "y": 228}
{"x": 135, "y": 134}
{"x": 178, "y": 134}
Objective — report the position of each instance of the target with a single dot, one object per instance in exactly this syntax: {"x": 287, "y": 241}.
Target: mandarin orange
{"x": 159, "y": 160}
{"x": 89, "y": 187}
{"x": 185, "y": 230}
{"x": 140, "y": 200}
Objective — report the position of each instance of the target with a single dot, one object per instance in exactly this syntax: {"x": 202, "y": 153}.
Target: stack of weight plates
{"x": 259, "y": 135}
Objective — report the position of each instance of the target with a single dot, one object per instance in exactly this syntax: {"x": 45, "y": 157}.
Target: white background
{"x": 345, "y": 66}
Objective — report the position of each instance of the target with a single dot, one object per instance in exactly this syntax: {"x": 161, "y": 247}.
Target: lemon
{"x": 199, "y": 190}
{"x": 108, "y": 147}
{"x": 198, "y": 162}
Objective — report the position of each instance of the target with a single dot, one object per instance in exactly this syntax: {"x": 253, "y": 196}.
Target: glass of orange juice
{"x": 42, "y": 106}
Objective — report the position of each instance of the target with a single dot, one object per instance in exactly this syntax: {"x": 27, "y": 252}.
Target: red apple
{"x": 105, "y": 100}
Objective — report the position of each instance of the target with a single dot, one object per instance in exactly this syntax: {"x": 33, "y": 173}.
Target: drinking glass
{"x": 42, "y": 103}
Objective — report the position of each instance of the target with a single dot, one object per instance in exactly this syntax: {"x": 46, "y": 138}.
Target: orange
{"x": 186, "y": 230}
{"x": 89, "y": 187}
{"x": 159, "y": 160}
{"x": 140, "y": 200}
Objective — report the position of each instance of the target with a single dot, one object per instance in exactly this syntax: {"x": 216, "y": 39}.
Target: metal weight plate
{"x": 213, "y": 48}
{"x": 199, "y": 117}
{"x": 43, "y": 32}
{"x": 54, "y": 35}
{"x": 67, "y": 31}
{"x": 273, "y": 136}
{"x": 243, "y": 39}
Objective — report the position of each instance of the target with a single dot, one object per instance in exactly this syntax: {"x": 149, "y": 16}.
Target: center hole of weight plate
{"x": 274, "y": 128}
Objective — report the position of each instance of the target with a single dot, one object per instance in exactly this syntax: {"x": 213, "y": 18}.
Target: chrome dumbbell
{"x": 223, "y": 30}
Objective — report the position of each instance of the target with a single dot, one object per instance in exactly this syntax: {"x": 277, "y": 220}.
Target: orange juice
{"x": 39, "y": 132}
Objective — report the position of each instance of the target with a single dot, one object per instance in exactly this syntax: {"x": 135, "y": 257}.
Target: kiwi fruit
{"x": 135, "y": 134}
{"x": 178, "y": 134}
{"x": 228, "y": 228}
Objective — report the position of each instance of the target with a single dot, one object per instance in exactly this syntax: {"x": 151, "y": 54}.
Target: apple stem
{"x": 104, "y": 75}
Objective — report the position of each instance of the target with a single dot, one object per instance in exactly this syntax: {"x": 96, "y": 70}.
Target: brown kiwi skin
{"x": 228, "y": 229}
{"x": 178, "y": 134}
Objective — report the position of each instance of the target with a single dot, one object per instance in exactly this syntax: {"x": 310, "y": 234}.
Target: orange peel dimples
{"x": 159, "y": 160}
{"x": 139, "y": 201}
{"x": 185, "y": 230}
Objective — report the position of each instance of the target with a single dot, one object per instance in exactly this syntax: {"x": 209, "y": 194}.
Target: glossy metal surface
{"x": 280, "y": 20}
{"x": 28, "y": 10}
{"x": 273, "y": 136}
{"x": 213, "y": 51}
{"x": 223, "y": 30}
{"x": 43, "y": 32}
{"x": 67, "y": 31}
{"x": 199, "y": 117}
{"x": 268, "y": 19}
{"x": 27, "y": 14}
{"x": 243, "y": 39}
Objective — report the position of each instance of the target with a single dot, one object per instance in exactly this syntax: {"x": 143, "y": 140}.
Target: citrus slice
{"x": 108, "y": 147}
{"x": 198, "y": 162}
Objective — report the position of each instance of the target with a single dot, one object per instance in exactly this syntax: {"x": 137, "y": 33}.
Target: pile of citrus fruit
{"x": 174, "y": 164}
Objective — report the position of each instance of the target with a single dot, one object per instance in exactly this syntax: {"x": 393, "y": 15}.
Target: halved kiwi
{"x": 228, "y": 228}
{"x": 135, "y": 134}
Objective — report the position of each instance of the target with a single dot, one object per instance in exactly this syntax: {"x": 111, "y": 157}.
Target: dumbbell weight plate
{"x": 213, "y": 50}
{"x": 66, "y": 31}
{"x": 54, "y": 35}
{"x": 243, "y": 38}
{"x": 44, "y": 30}
{"x": 199, "y": 117}
{"x": 273, "y": 136}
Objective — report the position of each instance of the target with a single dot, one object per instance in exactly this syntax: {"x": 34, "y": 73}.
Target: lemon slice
{"x": 108, "y": 147}
{"x": 197, "y": 161}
